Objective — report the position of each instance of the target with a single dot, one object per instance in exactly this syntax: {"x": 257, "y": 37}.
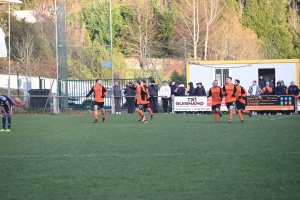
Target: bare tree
{"x": 192, "y": 20}
{"x": 242, "y": 6}
{"x": 23, "y": 51}
{"x": 294, "y": 14}
{"x": 211, "y": 11}
{"x": 142, "y": 27}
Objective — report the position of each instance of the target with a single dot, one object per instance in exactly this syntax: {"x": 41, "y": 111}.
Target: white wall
{"x": 201, "y": 74}
{"x": 33, "y": 80}
{"x": 244, "y": 72}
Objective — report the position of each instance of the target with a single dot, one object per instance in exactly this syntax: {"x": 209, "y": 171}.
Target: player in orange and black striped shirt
{"x": 241, "y": 93}
{"x": 216, "y": 96}
{"x": 142, "y": 100}
{"x": 99, "y": 93}
{"x": 147, "y": 102}
{"x": 229, "y": 91}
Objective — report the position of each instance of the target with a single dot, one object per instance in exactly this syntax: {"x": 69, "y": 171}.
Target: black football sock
{"x": 3, "y": 121}
{"x": 8, "y": 122}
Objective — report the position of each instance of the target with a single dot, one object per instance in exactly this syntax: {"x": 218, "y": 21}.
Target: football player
{"x": 229, "y": 91}
{"x": 99, "y": 94}
{"x": 215, "y": 93}
{"x": 241, "y": 93}
{"x": 6, "y": 107}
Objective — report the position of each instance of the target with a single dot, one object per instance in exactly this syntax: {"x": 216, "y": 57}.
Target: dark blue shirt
{"x": 4, "y": 100}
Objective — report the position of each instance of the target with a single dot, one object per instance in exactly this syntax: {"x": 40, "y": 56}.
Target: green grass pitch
{"x": 172, "y": 157}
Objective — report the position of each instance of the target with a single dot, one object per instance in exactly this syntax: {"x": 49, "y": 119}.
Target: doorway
{"x": 221, "y": 75}
{"x": 267, "y": 74}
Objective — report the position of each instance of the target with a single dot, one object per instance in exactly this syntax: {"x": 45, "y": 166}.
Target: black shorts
{"x": 100, "y": 104}
{"x": 218, "y": 106}
{"x": 140, "y": 106}
{"x": 135, "y": 103}
{"x": 240, "y": 105}
{"x": 229, "y": 104}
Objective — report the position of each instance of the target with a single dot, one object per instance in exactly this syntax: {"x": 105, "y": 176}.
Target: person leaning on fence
{"x": 200, "y": 91}
{"x": 191, "y": 92}
{"x": 293, "y": 90}
{"x": 254, "y": 90}
{"x": 272, "y": 84}
{"x": 284, "y": 86}
{"x": 279, "y": 90}
{"x": 173, "y": 88}
{"x": 99, "y": 94}
{"x": 165, "y": 92}
{"x": 118, "y": 93}
{"x": 180, "y": 91}
{"x": 267, "y": 90}
{"x": 130, "y": 96}
{"x": 153, "y": 91}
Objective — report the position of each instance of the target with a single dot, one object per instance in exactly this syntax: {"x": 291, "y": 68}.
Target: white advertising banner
{"x": 190, "y": 103}
{"x": 194, "y": 103}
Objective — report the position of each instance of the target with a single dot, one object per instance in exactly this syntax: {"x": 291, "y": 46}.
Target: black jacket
{"x": 293, "y": 90}
{"x": 173, "y": 88}
{"x": 279, "y": 90}
{"x": 153, "y": 90}
{"x": 129, "y": 92}
{"x": 261, "y": 83}
{"x": 180, "y": 91}
{"x": 192, "y": 89}
{"x": 200, "y": 91}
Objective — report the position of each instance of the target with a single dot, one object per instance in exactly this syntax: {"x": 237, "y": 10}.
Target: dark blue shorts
{"x": 6, "y": 109}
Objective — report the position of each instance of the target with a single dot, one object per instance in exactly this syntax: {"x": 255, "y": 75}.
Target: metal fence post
{"x": 172, "y": 104}
{"x": 55, "y": 104}
{"x": 296, "y": 106}
{"x": 112, "y": 104}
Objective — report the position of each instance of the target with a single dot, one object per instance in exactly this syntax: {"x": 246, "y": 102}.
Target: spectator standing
{"x": 261, "y": 82}
{"x": 191, "y": 89}
{"x": 130, "y": 96}
{"x": 153, "y": 90}
{"x": 180, "y": 91}
{"x": 284, "y": 89}
{"x": 279, "y": 90}
{"x": 293, "y": 90}
{"x": 268, "y": 90}
{"x": 283, "y": 85}
{"x": 254, "y": 90}
{"x": 272, "y": 84}
{"x": 118, "y": 97}
{"x": 165, "y": 92}
{"x": 200, "y": 91}
{"x": 173, "y": 88}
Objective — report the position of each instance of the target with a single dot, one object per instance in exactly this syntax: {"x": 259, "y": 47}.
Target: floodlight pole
{"x": 8, "y": 88}
{"x": 111, "y": 58}
{"x": 56, "y": 59}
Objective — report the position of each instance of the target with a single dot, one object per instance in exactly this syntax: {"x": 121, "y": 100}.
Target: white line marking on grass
{"x": 148, "y": 155}
{"x": 75, "y": 115}
{"x": 282, "y": 117}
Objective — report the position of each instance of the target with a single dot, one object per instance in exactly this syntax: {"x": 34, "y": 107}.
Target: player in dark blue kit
{"x": 6, "y": 106}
